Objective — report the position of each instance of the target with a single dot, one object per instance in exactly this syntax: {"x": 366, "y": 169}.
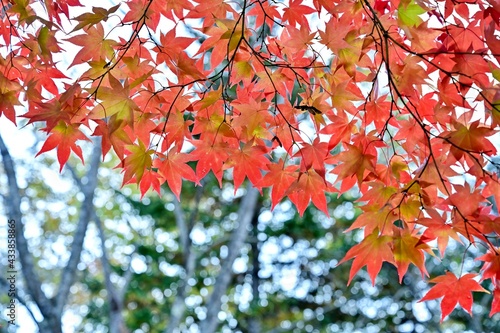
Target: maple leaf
{"x": 495, "y": 305}
{"x": 409, "y": 249}
{"x": 296, "y": 13}
{"x": 339, "y": 130}
{"x": 252, "y": 116}
{"x": 94, "y": 45}
{"x": 313, "y": 156}
{"x": 247, "y": 162}
{"x": 98, "y": 15}
{"x": 472, "y": 137}
{"x": 280, "y": 178}
{"x": 377, "y": 111}
{"x": 176, "y": 129}
{"x": 64, "y": 137}
{"x": 48, "y": 43}
{"x": 310, "y": 186}
{"x": 150, "y": 179}
{"x": 335, "y": 34}
{"x": 297, "y": 39}
{"x": 375, "y": 218}
{"x": 491, "y": 267}
{"x": 63, "y": 5}
{"x": 263, "y": 12}
{"x": 453, "y": 290}
{"x": 210, "y": 157}
{"x": 409, "y": 13}
{"x": 173, "y": 167}
{"x": 138, "y": 160}
{"x": 115, "y": 99}
{"x": 371, "y": 252}
{"x": 112, "y": 134}
{"x": 216, "y": 8}
{"x": 45, "y": 76}
{"x": 9, "y": 91}
{"x": 438, "y": 228}
{"x": 171, "y": 44}
{"x": 465, "y": 201}
{"x": 354, "y": 162}
{"x": 225, "y": 37}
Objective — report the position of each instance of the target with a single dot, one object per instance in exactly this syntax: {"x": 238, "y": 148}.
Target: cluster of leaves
{"x": 408, "y": 92}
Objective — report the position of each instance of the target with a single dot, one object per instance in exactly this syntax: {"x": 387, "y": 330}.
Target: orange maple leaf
{"x": 94, "y": 45}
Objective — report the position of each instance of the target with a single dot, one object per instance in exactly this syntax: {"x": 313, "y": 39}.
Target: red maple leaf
{"x": 173, "y": 167}
{"x": 296, "y": 13}
{"x": 280, "y": 178}
{"x": 64, "y": 137}
{"x": 495, "y": 305}
{"x": 247, "y": 162}
{"x": 438, "y": 228}
{"x": 453, "y": 291}
{"x": 150, "y": 179}
{"x": 408, "y": 249}
{"x": 313, "y": 156}
{"x": 210, "y": 157}
{"x": 371, "y": 252}
{"x": 310, "y": 186}
{"x": 491, "y": 267}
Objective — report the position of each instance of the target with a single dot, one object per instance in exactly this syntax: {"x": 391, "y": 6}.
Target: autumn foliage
{"x": 398, "y": 99}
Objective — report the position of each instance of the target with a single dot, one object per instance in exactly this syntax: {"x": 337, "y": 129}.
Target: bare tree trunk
{"x": 86, "y": 213}
{"x": 184, "y": 227}
{"x": 115, "y": 297}
{"x": 20, "y": 294}
{"x": 248, "y": 208}
{"x": 31, "y": 279}
{"x": 51, "y": 309}
{"x": 254, "y": 322}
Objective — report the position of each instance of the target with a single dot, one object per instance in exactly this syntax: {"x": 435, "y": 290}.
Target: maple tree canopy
{"x": 399, "y": 99}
